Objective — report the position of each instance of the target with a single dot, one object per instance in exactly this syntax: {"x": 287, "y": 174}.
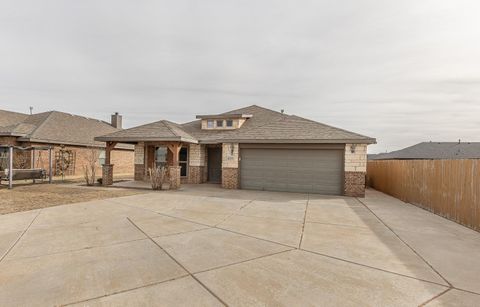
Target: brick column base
{"x": 107, "y": 174}
{"x": 355, "y": 184}
{"x": 139, "y": 172}
{"x": 174, "y": 173}
{"x": 230, "y": 178}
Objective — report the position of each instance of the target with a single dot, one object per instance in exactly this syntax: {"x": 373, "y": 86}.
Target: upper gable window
{"x": 219, "y": 123}
{"x": 210, "y": 123}
{"x": 229, "y": 123}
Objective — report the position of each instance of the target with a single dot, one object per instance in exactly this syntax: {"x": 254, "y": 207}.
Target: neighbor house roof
{"x": 58, "y": 128}
{"x": 8, "y": 118}
{"x": 158, "y": 131}
{"x": 434, "y": 150}
{"x": 262, "y": 126}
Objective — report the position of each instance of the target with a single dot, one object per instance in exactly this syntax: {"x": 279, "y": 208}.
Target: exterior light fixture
{"x": 352, "y": 148}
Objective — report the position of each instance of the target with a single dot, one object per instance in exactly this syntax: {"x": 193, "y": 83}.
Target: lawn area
{"x": 29, "y": 197}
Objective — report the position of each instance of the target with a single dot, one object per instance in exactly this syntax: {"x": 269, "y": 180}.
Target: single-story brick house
{"x": 250, "y": 148}
{"x": 70, "y": 136}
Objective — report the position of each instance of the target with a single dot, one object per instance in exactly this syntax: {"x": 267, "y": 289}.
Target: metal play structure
{"x": 24, "y": 170}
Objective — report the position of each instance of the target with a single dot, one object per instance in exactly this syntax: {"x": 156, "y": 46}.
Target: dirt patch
{"x": 29, "y": 197}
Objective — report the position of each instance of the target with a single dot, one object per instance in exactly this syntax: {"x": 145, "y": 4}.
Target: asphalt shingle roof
{"x": 434, "y": 150}
{"x": 58, "y": 128}
{"x": 264, "y": 126}
{"x": 158, "y": 131}
{"x": 8, "y": 118}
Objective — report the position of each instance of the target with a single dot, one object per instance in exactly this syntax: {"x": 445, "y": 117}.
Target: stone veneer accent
{"x": 139, "y": 172}
{"x": 355, "y": 169}
{"x": 195, "y": 174}
{"x": 139, "y": 161}
{"x": 230, "y": 172}
{"x": 230, "y": 178}
{"x": 196, "y": 164}
{"x": 174, "y": 175}
{"x": 107, "y": 174}
{"x": 355, "y": 184}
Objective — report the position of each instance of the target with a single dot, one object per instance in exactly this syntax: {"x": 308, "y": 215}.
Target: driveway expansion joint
{"x": 406, "y": 244}
{"x": 178, "y": 263}
{"x": 125, "y": 290}
{"x": 373, "y": 268}
{"x": 304, "y": 221}
{"x": 20, "y": 237}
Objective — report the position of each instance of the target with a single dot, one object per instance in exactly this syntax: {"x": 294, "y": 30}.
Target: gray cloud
{"x": 400, "y": 71}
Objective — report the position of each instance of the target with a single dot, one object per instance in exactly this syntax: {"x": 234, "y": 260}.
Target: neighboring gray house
{"x": 250, "y": 148}
{"x": 433, "y": 151}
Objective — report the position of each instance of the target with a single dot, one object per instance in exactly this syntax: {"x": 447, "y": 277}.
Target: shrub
{"x": 158, "y": 176}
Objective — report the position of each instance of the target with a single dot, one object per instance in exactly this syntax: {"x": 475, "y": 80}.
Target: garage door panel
{"x": 294, "y": 170}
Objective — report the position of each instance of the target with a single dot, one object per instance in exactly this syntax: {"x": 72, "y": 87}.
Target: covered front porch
{"x": 157, "y": 145}
{"x": 165, "y": 144}
{"x": 149, "y": 155}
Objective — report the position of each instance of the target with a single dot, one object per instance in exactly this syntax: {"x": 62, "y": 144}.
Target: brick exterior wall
{"x": 230, "y": 178}
{"x": 197, "y": 161}
{"x": 195, "y": 174}
{"x": 122, "y": 159}
{"x": 230, "y": 172}
{"x": 355, "y": 184}
{"x": 139, "y": 172}
{"x": 355, "y": 169}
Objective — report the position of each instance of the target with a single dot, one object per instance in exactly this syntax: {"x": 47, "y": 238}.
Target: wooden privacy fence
{"x": 450, "y": 188}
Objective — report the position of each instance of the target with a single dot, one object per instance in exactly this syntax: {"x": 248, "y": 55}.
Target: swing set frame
{"x": 32, "y": 173}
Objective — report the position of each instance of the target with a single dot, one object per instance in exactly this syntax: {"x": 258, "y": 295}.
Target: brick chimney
{"x": 117, "y": 120}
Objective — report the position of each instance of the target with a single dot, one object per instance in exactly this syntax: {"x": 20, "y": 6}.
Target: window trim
{"x": 219, "y": 121}
{"x": 231, "y": 123}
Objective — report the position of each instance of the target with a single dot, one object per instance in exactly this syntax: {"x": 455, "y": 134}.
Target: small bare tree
{"x": 157, "y": 177}
{"x": 89, "y": 169}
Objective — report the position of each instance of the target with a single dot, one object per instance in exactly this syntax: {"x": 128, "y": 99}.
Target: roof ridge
{"x": 41, "y": 124}
{"x": 166, "y": 123}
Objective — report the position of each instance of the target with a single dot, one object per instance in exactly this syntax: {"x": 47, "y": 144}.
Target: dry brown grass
{"x": 29, "y": 197}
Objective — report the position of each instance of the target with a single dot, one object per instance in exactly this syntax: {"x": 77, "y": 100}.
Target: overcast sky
{"x": 400, "y": 71}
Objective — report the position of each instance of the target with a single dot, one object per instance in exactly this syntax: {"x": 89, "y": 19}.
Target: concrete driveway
{"x": 206, "y": 246}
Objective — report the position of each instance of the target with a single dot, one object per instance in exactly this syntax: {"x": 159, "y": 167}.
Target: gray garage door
{"x": 292, "y": 170}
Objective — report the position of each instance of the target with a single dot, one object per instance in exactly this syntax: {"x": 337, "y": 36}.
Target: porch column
{"x": 139, "y": 161}
{"x": 107, "y": 168}
{"x": 174, "y": 169}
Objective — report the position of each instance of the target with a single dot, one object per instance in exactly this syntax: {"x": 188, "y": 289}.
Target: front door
{"x": 215, "y": 164}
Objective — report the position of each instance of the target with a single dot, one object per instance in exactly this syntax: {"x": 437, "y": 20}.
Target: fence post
{"x": 10, "y": 167}
{"x": 50, "y": 165}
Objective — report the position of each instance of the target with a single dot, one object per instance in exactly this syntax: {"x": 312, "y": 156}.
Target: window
{"x": 183, "y": 161}
{"x": 210, "y": 123}
{"x": 101, "y": 157}
{"x": 229, "y": 123}
{"x": 219, "y": 123}
{"x": 160, "y": 156}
